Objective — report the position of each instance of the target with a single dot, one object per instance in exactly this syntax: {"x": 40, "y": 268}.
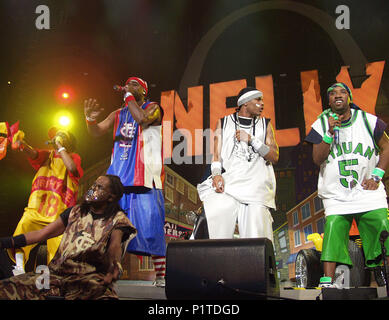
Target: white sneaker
{"x": 159, "y": 282}
{"x": 18, "y": 270}
{"x": 326, "y": 282}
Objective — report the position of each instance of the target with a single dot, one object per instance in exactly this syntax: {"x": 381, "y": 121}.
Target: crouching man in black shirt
{"x": 95, "y": 234}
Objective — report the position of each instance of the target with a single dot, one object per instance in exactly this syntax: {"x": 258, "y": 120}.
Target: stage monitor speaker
{"x": 221, "y": 269}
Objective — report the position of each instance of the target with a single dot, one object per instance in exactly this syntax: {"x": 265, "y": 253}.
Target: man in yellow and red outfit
{"x": 54, "y": 188}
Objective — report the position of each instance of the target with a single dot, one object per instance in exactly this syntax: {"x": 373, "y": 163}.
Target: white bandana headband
{"x": 249, "y": 96}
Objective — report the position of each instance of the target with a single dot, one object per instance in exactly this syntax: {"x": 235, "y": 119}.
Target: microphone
{"x": 50, "y": 142}
{"x": 336, "y": 128}
{"x": 336, "y": 134}
{"x": 118, "y": 88}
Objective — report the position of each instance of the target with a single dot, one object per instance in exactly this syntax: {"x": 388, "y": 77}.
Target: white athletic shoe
{"x": 160, "y": 282}
{"x": 18, "y": 270}
{"x": 326, "y": 282}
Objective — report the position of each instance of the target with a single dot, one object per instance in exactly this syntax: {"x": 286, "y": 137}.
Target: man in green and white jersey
{"x": 352, "y": 150}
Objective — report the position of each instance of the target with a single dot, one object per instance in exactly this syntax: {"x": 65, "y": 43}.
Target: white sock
{"x": 19, "y": 258}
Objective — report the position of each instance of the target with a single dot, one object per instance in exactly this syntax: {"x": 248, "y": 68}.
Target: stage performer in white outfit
{"x": 245, "y": 147}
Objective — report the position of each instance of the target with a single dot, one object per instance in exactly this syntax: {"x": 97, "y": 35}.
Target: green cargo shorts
{"x": 370, "y": 224}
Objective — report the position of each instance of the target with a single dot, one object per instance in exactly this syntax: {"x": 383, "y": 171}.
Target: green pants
{"x": 336, "y": 236}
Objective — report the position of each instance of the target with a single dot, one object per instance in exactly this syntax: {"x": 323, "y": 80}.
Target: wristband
{"x": 334, "y": 115}
{"x": 216, "y": 168}
{"x": 327, "y": 139}
{"x": 378, "y": 172}
{"x": 61, "y": 149}
{"x": 90, "y": 120}
{"x": 128, "y": 97}
{"x": 19, "y": 241}
{"x": 259, "y": 147}
{"x": 13, "y": 242}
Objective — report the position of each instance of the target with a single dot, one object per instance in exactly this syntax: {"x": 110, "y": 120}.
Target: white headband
{"x": 249, "y": 96}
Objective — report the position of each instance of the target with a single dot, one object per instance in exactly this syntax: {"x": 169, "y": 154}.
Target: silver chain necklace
{"x": 249, "y": 154}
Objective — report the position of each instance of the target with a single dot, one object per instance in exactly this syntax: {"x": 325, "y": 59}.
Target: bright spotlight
{"x": 64, "y": 121}
{"x": 65, "y": 95}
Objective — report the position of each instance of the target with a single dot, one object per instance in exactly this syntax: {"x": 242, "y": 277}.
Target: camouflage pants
{"x": 84, "y": 287}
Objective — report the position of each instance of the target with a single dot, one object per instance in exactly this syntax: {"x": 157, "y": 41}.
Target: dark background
{"x": 92, "y": 45}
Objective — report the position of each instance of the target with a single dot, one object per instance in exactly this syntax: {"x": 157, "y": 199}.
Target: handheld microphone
{"x": 336, "y": 128}
{"x": 50, "y": 142}
{"x": 118, "y": 88}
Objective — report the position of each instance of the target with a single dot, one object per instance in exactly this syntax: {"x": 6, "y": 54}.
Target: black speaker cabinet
{"x": 221, "y": 269}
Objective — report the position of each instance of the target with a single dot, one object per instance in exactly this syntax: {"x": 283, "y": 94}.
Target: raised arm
{"x": 268, "y": 150}
{"x": 28, "y": 150}
{"x": 152, "y": 115}
{"x": 66, "y": 156}
{"x": 20, "y": 144}
{"x": 321, "y": 150}
{"x": 92, "y": 111}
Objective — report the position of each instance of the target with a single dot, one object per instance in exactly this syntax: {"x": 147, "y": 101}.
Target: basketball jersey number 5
{"x": 346, "y": 171}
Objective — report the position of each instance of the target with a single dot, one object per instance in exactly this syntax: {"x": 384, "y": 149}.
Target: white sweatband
{"x": 61, "y": 149}
{"x": 248, "y": 96}
{"x": 127, "y": 95}
{"x": 89, "y": 119}
{"x": 216, "y": 168}
{"x": 259, "y": 147}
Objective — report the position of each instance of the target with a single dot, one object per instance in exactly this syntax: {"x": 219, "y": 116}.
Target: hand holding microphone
{"x": 336, "y": 127}
{"x": 116, "y": 87}
{"x": 128, "y": 96}
{"x": 244, "y": 138}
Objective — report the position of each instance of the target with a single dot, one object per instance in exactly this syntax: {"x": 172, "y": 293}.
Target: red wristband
{"x": 130, "y": 98}
{"x": 89, "y": 122}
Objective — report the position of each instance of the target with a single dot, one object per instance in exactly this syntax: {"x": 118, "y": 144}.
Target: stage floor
{"x": 139, "y": 290}
{"x": 144, "y": 290}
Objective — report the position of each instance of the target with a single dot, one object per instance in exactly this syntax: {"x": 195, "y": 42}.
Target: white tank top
{"x": 248, "y": 177}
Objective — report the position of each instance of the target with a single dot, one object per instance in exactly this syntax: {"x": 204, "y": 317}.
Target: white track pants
{"x": 223, "y": 211}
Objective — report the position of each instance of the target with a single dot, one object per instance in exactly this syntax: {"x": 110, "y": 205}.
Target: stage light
{"x": 65, "y": 95}
{"x": 64, "y": 121}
